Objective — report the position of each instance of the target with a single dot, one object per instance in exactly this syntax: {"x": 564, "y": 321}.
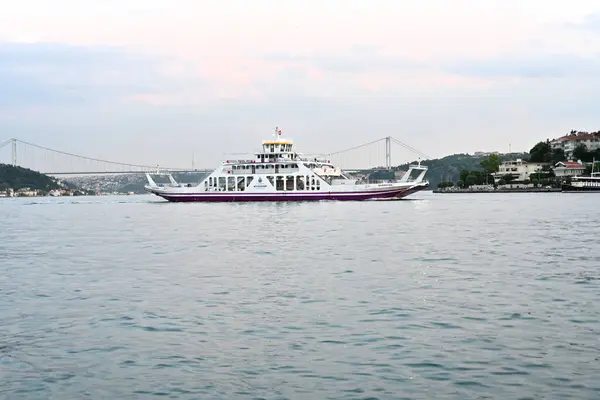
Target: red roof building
{"x": 568, "y": 168}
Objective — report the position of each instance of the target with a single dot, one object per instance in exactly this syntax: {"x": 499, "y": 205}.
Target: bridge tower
{"x": 388, "y": 152}
{"x": 14, "y": 152}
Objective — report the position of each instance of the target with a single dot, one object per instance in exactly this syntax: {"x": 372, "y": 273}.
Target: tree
{"x": 471, "y": 180}
{"x": 588, "y": 169}
{"x": 580, "y": 152}
{"x": 18, "y": 178}
{"x": 508, "y": 178}
{"x": 491, "y": 164}
{"x": 541, "y": 152}
{"x": 558, "y": 155}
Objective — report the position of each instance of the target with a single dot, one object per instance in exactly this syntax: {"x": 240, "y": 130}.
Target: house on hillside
{"x": 485, "y": 153}
{"x": 519, "y": 169}
{"x": 570, "y": 142}
{"x": 568, "y": 168}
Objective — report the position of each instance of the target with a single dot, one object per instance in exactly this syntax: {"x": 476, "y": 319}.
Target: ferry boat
{"x": 279, "y": 173}
{"x": 583, "y": 184}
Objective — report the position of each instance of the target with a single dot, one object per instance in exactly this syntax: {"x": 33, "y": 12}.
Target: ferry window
{"x": 279, "y": 185}
{"x": 272, "y": 148}
{"x": 270, "y": 179}
{"x": 241, "y": 184}
{"x": 299, "y": 183}
{"x": 222, "y": 182}
{"x": 230, "y": 183}
{"x": 289, "y": 182}
{"x": 248, "y": 181}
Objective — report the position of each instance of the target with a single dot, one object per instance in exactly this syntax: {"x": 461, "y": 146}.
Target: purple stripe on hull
{"x": 293, "y": 197}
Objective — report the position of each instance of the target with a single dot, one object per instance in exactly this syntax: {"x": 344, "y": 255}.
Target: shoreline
{"x": 528, "y": 190}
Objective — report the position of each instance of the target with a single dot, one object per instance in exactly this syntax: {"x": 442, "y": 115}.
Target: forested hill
{"x": 449, "y": 167}
{"x": 19, "y": 178}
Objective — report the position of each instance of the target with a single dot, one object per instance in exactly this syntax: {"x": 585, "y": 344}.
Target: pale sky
{"x": 153, "y": 81}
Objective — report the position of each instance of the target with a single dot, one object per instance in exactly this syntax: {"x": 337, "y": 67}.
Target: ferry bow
{"x": 279, "y": 173}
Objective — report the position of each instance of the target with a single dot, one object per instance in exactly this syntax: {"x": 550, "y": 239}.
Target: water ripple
{"x": 446, "y": 297}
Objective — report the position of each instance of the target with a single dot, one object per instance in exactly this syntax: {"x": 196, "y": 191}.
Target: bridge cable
{"x": 420, "y": 153}
{"x": 356, "y": 147}
{"x": 90, "y": 158}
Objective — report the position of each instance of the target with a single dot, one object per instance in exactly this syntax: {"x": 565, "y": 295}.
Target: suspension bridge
{"x": 376, "y": 154}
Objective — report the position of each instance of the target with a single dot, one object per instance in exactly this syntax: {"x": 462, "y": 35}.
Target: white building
{"x": 485, "y": 153}
{"x": 519, "y": 169}
{"x": 568, "y": 168}
{"x": 570, "y": 142}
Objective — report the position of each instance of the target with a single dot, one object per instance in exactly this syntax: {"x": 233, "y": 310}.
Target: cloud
{"x": 20, "y": 90}
{"x": 358, "y": 59}
{"x": 590, "y": 22}
{"x": 326, "y": 100}
{"x": 41, "y": 74}
{"x": 527, "y": 66}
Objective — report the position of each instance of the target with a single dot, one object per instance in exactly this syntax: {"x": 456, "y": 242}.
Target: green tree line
{"x": 19, "y": 178}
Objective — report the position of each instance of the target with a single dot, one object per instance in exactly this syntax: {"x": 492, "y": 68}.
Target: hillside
{"x": 448, "y": 168}
{"x": 20, "y": 178}
{"x": 129, "y": 182}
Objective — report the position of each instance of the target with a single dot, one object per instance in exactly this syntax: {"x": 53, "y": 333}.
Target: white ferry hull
{"x": 380, "y": 193}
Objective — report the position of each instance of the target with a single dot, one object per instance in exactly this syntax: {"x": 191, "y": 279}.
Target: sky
{"x": 158, "y": 81}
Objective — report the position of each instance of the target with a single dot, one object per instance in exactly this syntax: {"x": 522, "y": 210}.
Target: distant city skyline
{"x": 146, "y": 81}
